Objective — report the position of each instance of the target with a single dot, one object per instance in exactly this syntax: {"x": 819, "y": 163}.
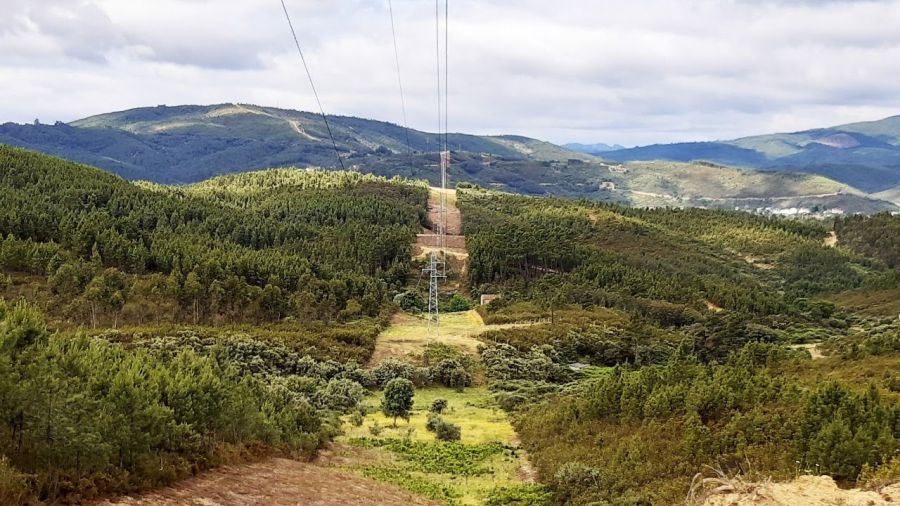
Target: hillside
{"x": 155, "y": 332}
{"x": 186, "y": 144}
{"x": 864, "y": 155}
{"x": 190, "y": 143}
{"x": 890, "y": 195}
{"x": 667, "y": 345}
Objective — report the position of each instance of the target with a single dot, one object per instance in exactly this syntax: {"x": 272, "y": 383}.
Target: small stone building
{"x": 488, "y": 297}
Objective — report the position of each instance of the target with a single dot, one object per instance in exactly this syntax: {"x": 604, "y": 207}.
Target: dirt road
{"x": 274, "y": 482}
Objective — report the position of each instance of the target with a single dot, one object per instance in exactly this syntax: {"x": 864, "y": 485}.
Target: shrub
{"x": 391, "y": 369}
{"x": 356, "y": 419}
{"x": 410, "y": 301}
{"x": 451, "y": 373}
{"x": 438, "y": 406}
{"x": 13, "y": 486}
{"x": 573, "y": 478}
{"x": 376, "y": 429}
{"x": 341, "y": 395}
{"x": 446, "y": 431}
{"x": 432, "y": 422}
{"x": 519, "y": 495}
{"x": 455, "y": 304}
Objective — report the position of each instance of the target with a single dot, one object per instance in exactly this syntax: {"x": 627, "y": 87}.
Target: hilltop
{"x": 189, "y": 143}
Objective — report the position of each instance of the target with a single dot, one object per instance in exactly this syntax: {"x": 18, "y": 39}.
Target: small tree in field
{"x": 398, "y": 399}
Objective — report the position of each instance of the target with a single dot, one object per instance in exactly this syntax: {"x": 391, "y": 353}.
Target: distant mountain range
{"x": 184, "y": 144}
{"x": 862, "y": 155}
{"x": 189, "y": 143}
{"x": 592, "y": 149}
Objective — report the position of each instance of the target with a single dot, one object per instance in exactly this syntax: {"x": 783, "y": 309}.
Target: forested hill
{"x": 191, "y": 143}
{"x": 669, "y": 265}
{"x": 253, "y": 247}
{"x": 664, "y": 346}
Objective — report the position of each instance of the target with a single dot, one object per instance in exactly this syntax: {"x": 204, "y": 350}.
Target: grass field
{"x": 487, "y": 458}
{"x": 408, "y": 334}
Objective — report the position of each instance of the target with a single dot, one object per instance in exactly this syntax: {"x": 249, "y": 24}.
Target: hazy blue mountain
{"x": 592, "y": 149}
{"x": 863, "y": 155}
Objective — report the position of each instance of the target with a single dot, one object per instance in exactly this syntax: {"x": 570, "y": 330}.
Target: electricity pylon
{"x": 436, "y": 268}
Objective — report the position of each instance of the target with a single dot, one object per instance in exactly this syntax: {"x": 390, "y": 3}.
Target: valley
{"x": 393, "y": 253}
{"x": 234, "y": 342}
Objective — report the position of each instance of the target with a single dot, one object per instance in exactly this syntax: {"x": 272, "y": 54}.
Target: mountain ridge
{"x": 188, "y": 143}
{"x": 865, "y": 155}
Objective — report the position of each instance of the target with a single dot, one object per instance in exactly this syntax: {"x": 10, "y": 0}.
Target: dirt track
{"x": 274, "y": 482}
{"x": 805, "y": 490}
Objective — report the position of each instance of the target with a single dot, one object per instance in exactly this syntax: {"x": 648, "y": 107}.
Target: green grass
{"x": 481, "y": 466}
{"x": 474, "y": 410}
{"x": 870, "y": 302}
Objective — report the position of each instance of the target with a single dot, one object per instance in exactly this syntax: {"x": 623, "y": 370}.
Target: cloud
{"x": 630, "y": 72}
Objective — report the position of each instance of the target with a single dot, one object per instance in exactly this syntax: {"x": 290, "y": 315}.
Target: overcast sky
{"x": 629, "y": 72}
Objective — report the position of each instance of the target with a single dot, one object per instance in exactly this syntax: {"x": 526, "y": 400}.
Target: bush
{"x": 432, "y": 422}
{"x": 341, "y": 395}
{"x": 446, "y": 431}
{"x": 519, "y": 495}
{"x": 451, "y": 373}
{"x": 410, "y": 302}
{"x": 376, "y": 429}
{"x": 391, "y": 369}
{"x": 357, "y": 419}
{"x": 573, "y": 478}
{"x": 438, "y": 406}
{"x": 13, "y": 484}
{"x": 455, "y": 304}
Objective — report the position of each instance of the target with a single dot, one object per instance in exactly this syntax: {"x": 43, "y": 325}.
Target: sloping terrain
{"x": 808, "y": 490}
{"x": 184, "y": 144}
{"x": 673, "y": 341}
{"x": 862, "y": 155}
{"x": 890, "y": 195}
{"x": 701, "y": 184}
{"x": 190, "y": 143}
{"x": 274, "y": 482}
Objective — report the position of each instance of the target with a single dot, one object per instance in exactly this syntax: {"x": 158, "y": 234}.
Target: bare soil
{"x": 274, "y": 482}
{"x": 805, "y": 490}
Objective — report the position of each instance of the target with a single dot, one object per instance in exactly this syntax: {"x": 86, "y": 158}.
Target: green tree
{"x": 193, "y": 290}
{"x": 398, "y": 399}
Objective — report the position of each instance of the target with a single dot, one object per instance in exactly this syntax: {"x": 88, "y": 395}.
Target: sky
{"x": 631, "y": 72}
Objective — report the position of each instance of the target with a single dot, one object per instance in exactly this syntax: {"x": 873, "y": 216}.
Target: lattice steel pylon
{"x": 435, "y": 271}
{"x": 436, "y": 268}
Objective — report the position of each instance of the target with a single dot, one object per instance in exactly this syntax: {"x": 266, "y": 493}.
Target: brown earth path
{"x": 804, "y": 490}
{"x": 273, "y": 482}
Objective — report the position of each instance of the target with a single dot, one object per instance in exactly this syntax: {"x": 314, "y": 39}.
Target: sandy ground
{"x": 812, "y": 348}
{"x": 274, "y": 482}
{"x": 805, "y": 491}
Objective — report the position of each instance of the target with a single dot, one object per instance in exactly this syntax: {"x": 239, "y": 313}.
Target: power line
{"x": 400, "y": 83}
{"x": 312, "y": 85}
{"x": 437, "y": 56}
{"x": 446, "y": 72}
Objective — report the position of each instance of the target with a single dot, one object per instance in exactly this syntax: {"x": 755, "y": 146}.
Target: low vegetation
{"x": 659, "y": 341}
{"x": 82, "y": 415}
